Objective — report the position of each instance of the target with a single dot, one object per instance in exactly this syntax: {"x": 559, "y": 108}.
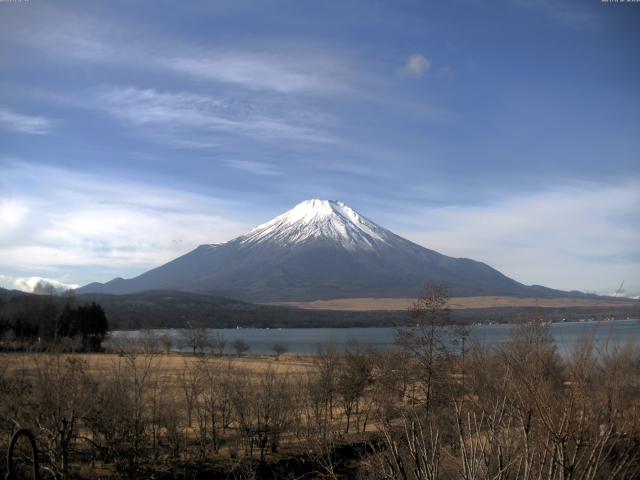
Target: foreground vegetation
{"x": 518, "y": 411}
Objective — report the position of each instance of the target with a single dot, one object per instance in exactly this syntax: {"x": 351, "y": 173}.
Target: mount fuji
{"x": 320, "y": 249}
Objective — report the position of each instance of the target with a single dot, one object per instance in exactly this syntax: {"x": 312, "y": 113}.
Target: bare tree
{"x": 218, "y": 344}
{"x": 149, "y": 341}
{"x": 263, "y": 410}
{"x": 240, "y": 346}
{"x": 140, "y": 371}
{"x": 195, "y": 338}
{"x": 167, "y": 342}
{"x": 321, "y": 388}
{"x": 63, "y": 395}
{"x": 279, "y": 349}
{"x": 393, "y": 373}
{"x": 354, "y": 374}
{"x": 190, "y": 384}
{"x": 422, "y": 337}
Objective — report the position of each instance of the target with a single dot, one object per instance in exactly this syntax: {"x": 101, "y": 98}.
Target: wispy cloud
{"x": 258, "y": 168}
{"x": 193, "y": 120}
{"x": 284, "y": 73}
{"x": 69, "y": 36}
{"x": 84, "y": 221}
{"x": 29, "y": 124}
{"x": 559, "y": 238}
{"x": 281, "y": 69}
{"x": 573, "y": 14}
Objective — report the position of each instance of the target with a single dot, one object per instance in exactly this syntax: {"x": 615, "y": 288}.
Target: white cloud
{"x": 416, "y": 65}
{"x": 86, "y": 222}
{"x": 6, "y": 281}
{"x": 12, "y": 215}
{"x": 42, "y": 285}
{"x": 29, "y": 124}
{"x": 94, "y": 228}
{"x": 581, "y": 237}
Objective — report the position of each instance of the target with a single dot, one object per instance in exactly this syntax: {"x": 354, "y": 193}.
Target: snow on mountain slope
{"x": 320, "y": 219}
{"x": 320, "y": 249}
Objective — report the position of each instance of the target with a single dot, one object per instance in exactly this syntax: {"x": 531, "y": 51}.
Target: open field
{"x": 457, "y": 303}
{"x": 172, "y": 364}
{"x": 139, "y": 413}
{"x": 142, "y": 409}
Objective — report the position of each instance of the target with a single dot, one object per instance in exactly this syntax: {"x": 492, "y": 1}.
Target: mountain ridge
{"x": 319, "y": 249}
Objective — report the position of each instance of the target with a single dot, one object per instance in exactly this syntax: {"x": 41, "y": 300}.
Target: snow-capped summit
{"x": 319, "y": 249}
{"x": 314, "y": 220}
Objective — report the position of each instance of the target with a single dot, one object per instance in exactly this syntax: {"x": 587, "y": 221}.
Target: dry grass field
{"x": 139, "y": 413}
{"x": 98, "y": 362}
{"x": 254, "y": 398}
{"x": 456, "y": 303}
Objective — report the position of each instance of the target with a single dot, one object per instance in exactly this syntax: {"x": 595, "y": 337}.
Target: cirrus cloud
{"x": 21, "y": 123}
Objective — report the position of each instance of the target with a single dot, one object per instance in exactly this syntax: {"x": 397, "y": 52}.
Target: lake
{"x": 307, "y": 340}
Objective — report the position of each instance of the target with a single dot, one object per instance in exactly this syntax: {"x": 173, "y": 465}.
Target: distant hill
{"x": 6, "y": 294}
{"x": 174, "y": 309}
{"x": 318, "y": 250}
{"x": 163, "y": 308}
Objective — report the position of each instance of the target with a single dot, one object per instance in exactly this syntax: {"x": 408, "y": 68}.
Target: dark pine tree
{"x": 88, "y": 321}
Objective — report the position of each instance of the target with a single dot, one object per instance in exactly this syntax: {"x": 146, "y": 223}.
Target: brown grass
{"x": 456, "y": 303}
{"x": 99, "y": 363}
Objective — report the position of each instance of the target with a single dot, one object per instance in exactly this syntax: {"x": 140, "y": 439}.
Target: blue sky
{"x": 504, "y": 131}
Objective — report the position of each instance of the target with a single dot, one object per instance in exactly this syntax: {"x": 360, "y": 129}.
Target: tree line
{"x": 44, "y": 321}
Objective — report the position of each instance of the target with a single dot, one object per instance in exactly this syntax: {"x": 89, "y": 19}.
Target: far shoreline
{"x": 347, "y": 327}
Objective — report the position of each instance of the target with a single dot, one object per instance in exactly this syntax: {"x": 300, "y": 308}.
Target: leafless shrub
{"x": 354, "y": 375}
{"x": 279, "y": 349}
{"x": 240, "y": 346}
{"x": 196, "y": 339}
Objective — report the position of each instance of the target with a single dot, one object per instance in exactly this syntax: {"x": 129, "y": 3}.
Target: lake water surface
{"x": 307, "y": 340}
